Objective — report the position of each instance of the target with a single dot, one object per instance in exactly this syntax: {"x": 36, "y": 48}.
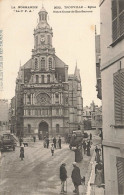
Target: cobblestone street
{"x": 38, "y": 173}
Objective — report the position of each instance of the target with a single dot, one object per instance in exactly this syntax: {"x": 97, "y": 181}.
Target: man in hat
{"x": 76, "y": 177}
{"x": 63, "y": 176}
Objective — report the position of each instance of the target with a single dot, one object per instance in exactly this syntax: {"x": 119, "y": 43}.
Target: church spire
{"x": 77, "y": 72}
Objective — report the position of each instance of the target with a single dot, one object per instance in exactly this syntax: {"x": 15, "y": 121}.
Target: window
{"x": 43, "y": 18}
{"x": 36, "y": 64}
{"x": 50, "y": 63}
{"x": 119, "y": 97}
{"x": 57, "y": 98}
{"x": 28, "y": 99}
{"x": 42, "y": 78}
{"x": 37, "y": 79}
{"x": 57, "y": 128}
{"x": 48, "y": 78}
{"x": 117, "y": 19}
{"x": 42, "y": 63}
{"x": 120, "y": 175}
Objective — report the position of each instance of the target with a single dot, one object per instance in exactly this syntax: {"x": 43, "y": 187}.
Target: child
{"x": 52, "y": 149}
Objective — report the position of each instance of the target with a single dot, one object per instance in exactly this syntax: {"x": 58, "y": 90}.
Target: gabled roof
{"x": 59, "y": 63}
{"x": 28, "y": 64}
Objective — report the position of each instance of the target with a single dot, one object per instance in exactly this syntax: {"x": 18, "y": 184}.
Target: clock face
{"x": 42, "y": 39}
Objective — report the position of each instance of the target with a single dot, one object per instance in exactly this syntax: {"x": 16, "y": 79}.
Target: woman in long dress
{"x": 99, "y": 174}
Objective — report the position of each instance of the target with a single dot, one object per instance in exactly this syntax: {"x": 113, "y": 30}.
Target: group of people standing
{"x": 76, "y": 177}
{"x": 55, "y": 143}
{"x": 86, "y": 147}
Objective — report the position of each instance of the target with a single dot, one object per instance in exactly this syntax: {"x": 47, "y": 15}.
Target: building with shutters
{"x": 112, "y": 76}
{"x": 47, "y": 99}
{"x": 98, "y": 63}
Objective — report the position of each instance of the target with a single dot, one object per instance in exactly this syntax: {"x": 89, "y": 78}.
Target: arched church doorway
{"x": 43, "y": 130}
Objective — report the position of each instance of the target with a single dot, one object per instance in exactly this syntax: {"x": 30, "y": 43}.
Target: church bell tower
{"x": 43, "y": 36}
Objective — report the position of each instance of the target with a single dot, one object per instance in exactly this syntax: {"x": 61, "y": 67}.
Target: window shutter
{"x": 119, "y": 97}
{"x": 117, "y": 19}
{"x": 120, "y": 175}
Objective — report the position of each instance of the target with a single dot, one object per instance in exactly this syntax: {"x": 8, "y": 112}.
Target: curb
{"x": 91, "y": 167}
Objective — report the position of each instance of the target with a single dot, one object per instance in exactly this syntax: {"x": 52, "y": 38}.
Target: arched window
{"x": 79, "y": 128}
{"x": 56, "y": 98}
{"x": 36, "y": 63}
{"x": 48, "y": 78}
{"x": 37, "y": 79}
{"x": 28, "y": 99}
{"x": 57, "y": 128}
{"x": 42, "y": 63}
{"x": 50, "y": 63}
{"x": 29, "y": 128}
{"x": 42, "y": 78}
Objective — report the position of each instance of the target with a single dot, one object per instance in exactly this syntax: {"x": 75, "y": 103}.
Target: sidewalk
{"x": 92, "y": 189}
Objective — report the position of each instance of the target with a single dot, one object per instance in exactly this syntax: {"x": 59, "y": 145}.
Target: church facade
{"x": 47, "y": 99}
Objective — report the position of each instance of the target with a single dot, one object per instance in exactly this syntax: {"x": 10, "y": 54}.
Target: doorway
{"x": 43, "y": 130}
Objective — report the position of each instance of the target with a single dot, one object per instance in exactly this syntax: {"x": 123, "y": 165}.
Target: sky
{"x": 73, "y": 39}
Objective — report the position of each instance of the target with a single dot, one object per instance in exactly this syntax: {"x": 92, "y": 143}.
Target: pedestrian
{"x": 54, "y": 142}
{"x": 20, "y": 141}
{"x": 52, "y": 149}
{"x": 97, "y": 158}
{"x": 76, "y": 177}
{"x": 90, "y": 136}
{"x": 34, "y": 138}
{"x": 63, "y": 177}
{"x": 22, "y": 152}
{"x": 47, "y": 142}
{"x": 98, "y": 174}
{"x": 78, "y": 154}
{"x": 88, "y": 148}
{"x": 59, "y": 142}
{"x": 84, "y": 147}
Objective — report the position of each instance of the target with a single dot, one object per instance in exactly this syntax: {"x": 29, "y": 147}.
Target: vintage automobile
{"x": 7, "y": 142}
{"x": 76, "y": 139}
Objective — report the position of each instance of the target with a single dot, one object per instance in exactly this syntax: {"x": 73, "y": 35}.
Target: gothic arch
{"x": 43, "y": 129}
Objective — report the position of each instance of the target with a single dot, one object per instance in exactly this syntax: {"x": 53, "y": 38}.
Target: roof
{"x": 59, "y": 63}
{"x": 28, "y": 64}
